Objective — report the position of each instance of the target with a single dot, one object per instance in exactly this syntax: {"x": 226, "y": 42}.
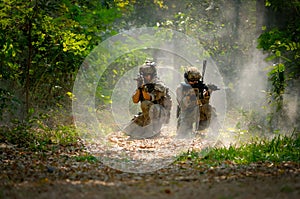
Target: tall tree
{"x": 44, "y": 42}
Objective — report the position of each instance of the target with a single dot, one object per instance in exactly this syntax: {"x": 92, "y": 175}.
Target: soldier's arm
{"x": 146, "y": 95}
{"x": 179, "y": 94}
{"x": 136, "y": 96}
{"x": 183, "y": 93}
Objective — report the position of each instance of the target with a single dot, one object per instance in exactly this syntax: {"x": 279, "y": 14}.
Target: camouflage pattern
{"x": 192, "y": 73}
{"x": 149, "y": 68}
{"x": 155, "y": 112}
{"x": 194, "y": 111}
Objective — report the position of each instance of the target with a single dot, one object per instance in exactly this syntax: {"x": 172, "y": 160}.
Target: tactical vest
{"x": 189, "y": 96}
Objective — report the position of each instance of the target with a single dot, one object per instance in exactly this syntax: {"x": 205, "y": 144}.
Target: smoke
{"x": 292, "y": 105}
{"x": 250, "y": 88}
{"x": 170, "y": 53}
{"x": 172, "y": 49}
{"x": 247, "y": 84}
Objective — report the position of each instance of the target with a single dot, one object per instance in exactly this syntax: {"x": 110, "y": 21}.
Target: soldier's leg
{"x": 157, "y": 116}
{"x": 205, "y": 116}
{"x": 186, "y": 120}
{"x": 145, "y": 106}
{"x": 208, "y": 118}
{"x": 149, "y": 121}
{"x": 153, "y": 127}
{"x": 214, "y": 121}
{"x": 135, "y": 127}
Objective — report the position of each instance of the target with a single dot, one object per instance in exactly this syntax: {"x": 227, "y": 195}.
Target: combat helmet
{"x": 149, "y": 67}
{"x": 192, "y": 74}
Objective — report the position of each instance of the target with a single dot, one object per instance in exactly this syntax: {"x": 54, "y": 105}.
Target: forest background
{"x": 254, "y": 43}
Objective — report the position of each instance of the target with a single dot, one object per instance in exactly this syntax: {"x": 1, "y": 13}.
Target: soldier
{"x": 155, "y": 102}
{"x": 194, "y": 110}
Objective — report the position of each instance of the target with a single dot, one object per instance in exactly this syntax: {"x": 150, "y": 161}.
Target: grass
{"x": 278, "y": 149}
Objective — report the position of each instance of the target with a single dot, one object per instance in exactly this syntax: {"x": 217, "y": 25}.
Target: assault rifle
{"x": 199, "y": 85}
{"x": 203, "y": 70}
{"x": 211, "y": 87}
{"x": 140, "y": 80}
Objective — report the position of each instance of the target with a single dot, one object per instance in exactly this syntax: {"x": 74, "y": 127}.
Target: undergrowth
{"x": 278, "y": 149}
{"x": 35, "y": 135}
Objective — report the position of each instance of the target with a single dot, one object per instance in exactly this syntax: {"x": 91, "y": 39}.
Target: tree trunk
{"x": 28, "y": 67}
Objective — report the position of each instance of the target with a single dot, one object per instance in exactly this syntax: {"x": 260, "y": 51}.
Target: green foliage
{"x": 44, "y": 42}
{"x": 114, "y": 72}
{"x": 225, "y": 29}
{"x": 277, "y": 78}
{"x": 35, "y": 134}
{"x": 278, "y": 149}
{"x": 280, "y": 5}
{"x": 64, "y": 135}
{"x": 18, "y": 134}
{"x": 251, "y": 120}
{"x": 281, "y": 41}
{"x": 242, "y": 126}
{"x": 8, "y": 103}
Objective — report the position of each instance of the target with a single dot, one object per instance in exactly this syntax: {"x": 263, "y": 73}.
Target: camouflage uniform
{"x": 155, "y": 103}
{"x": 194, "y": 110}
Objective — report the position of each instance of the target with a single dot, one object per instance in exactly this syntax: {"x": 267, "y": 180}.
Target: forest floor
{"x": 70, "y": 172}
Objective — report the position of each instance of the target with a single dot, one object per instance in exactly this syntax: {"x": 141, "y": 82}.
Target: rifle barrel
{"x": 203, "y": 69}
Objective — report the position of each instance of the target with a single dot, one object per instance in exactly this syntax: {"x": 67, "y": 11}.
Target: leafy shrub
{"x": 34, "y": 134}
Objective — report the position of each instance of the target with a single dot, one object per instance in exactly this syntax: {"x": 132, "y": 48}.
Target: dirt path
{"x": 283, "y": 186}
{"x": 91, "y": 181}
{"x": 70, "y": 173}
